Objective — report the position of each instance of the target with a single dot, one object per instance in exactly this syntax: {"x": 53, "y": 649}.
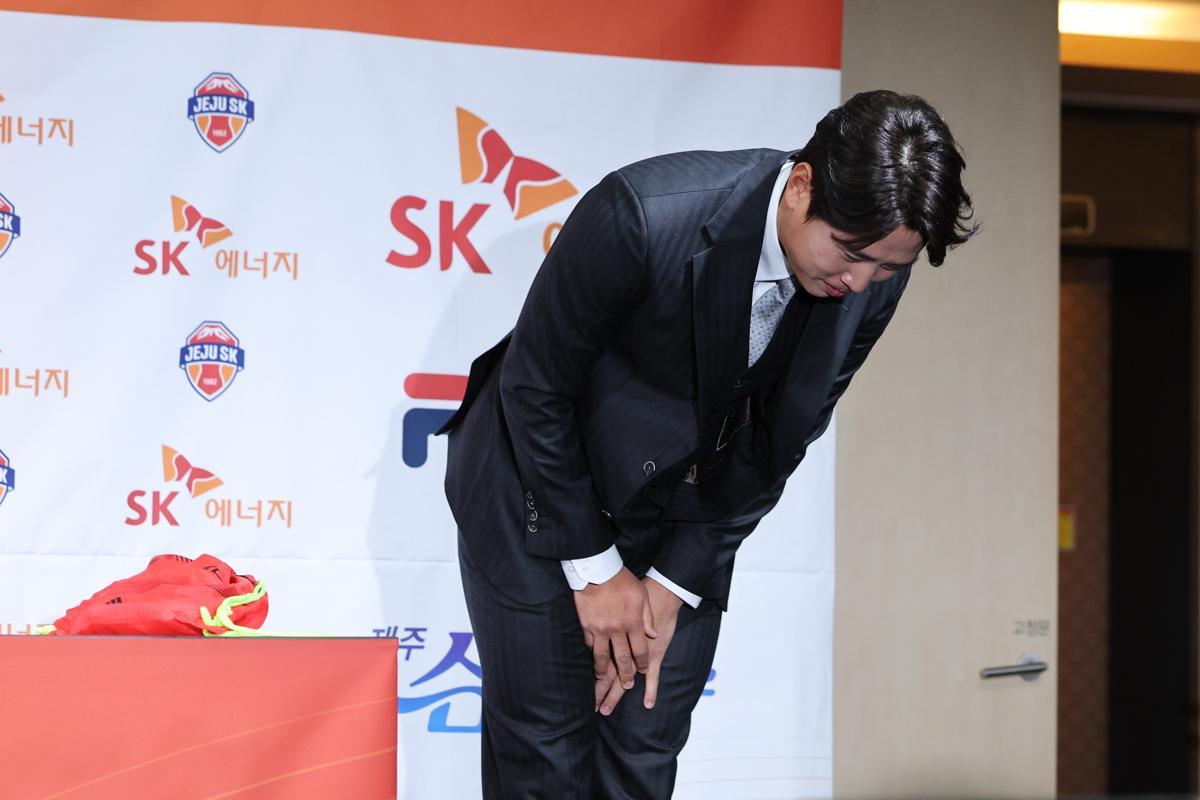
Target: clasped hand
{"x": 619, "y": 618}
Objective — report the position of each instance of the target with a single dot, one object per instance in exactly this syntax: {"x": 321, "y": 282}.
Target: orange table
{"x": 179, "y": 717}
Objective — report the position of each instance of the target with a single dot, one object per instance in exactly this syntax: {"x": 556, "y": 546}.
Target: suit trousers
{"x": 542, "y": 737}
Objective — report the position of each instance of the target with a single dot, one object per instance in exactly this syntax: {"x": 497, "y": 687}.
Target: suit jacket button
{"x": 529, "y": 504}
{"x": 737, "y": 384}
{"x": 533, "y": 515}
{"x": 648, "y": 468}
{"x": 606, "y": 513}
{"x": 531, "y": 528}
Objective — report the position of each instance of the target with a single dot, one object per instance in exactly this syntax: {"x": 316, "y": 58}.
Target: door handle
{"x": 1029, "y": 667}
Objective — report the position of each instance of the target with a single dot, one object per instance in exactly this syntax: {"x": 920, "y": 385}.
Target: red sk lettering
{"x": 409, "y": 229}
{"x": 451, "y": 236}
{"x": 170, "y": 257}
{"x": 141, "y": 250}
{"x": 159, "y": 508}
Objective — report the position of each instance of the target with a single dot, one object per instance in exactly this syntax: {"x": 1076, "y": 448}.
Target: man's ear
{"x": 798, "y": 191}
{"x": 802, "y": 173}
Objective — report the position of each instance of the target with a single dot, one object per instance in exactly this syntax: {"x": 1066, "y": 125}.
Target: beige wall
{"x": 947, "y": 441}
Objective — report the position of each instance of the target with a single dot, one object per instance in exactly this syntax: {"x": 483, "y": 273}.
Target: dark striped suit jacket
{"x": 637, "y": 318}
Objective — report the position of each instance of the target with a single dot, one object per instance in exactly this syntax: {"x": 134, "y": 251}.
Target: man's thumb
{"x": 648, "y": 621}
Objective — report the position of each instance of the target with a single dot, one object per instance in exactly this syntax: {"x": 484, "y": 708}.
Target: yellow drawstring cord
{"x": 223, "y": 618}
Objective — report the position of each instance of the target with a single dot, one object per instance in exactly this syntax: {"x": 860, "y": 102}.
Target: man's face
{"x": 825, "y": 268}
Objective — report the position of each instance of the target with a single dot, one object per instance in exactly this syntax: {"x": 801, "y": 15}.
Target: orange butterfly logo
{"x": 483, "y": 155}
{"x": 177, "y": 468}
{"x": 185, "y": 216}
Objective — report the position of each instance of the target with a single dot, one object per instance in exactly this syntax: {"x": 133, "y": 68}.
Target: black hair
{"x": 882, "y": 160}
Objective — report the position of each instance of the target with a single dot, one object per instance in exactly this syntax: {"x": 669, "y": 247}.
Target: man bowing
{"x": 683, "y": 343}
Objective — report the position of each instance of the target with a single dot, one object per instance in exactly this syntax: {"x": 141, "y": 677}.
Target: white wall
{"x": 947, "y": 441}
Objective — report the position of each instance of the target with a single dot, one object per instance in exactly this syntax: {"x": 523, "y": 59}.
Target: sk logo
{"x": 177, "y": 468}
{"x": 8, "y": 477}
{"x": 220, "y": 107}
{"x": 10, "y": 226}
{"x": 185, "y": 217}
{"x": 483, "y": 155}
{"x": 154, "y": 507}
{"x": 420, "y": 423}
{"x": 211, "y": 359}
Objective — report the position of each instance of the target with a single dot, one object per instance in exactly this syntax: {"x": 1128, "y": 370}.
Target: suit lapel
{"x": 722, "y": 285}
{"x": 805, "y": 384}
{"x": 723, "y": 278}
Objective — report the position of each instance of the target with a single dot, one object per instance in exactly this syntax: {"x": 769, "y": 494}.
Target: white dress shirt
{"x": 772, "y": 268}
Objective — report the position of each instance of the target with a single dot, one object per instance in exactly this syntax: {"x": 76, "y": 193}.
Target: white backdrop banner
{"x": 246, "y": 258}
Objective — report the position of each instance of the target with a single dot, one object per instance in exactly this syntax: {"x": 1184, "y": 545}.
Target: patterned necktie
{"x": 765, "y": 316}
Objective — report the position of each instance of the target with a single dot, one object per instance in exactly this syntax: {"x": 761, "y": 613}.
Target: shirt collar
{"x": 772, "y": 265}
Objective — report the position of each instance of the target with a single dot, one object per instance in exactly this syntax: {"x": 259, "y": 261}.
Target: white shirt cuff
{"x": 593, "y": 569}
{"x": 692, "y": 600}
